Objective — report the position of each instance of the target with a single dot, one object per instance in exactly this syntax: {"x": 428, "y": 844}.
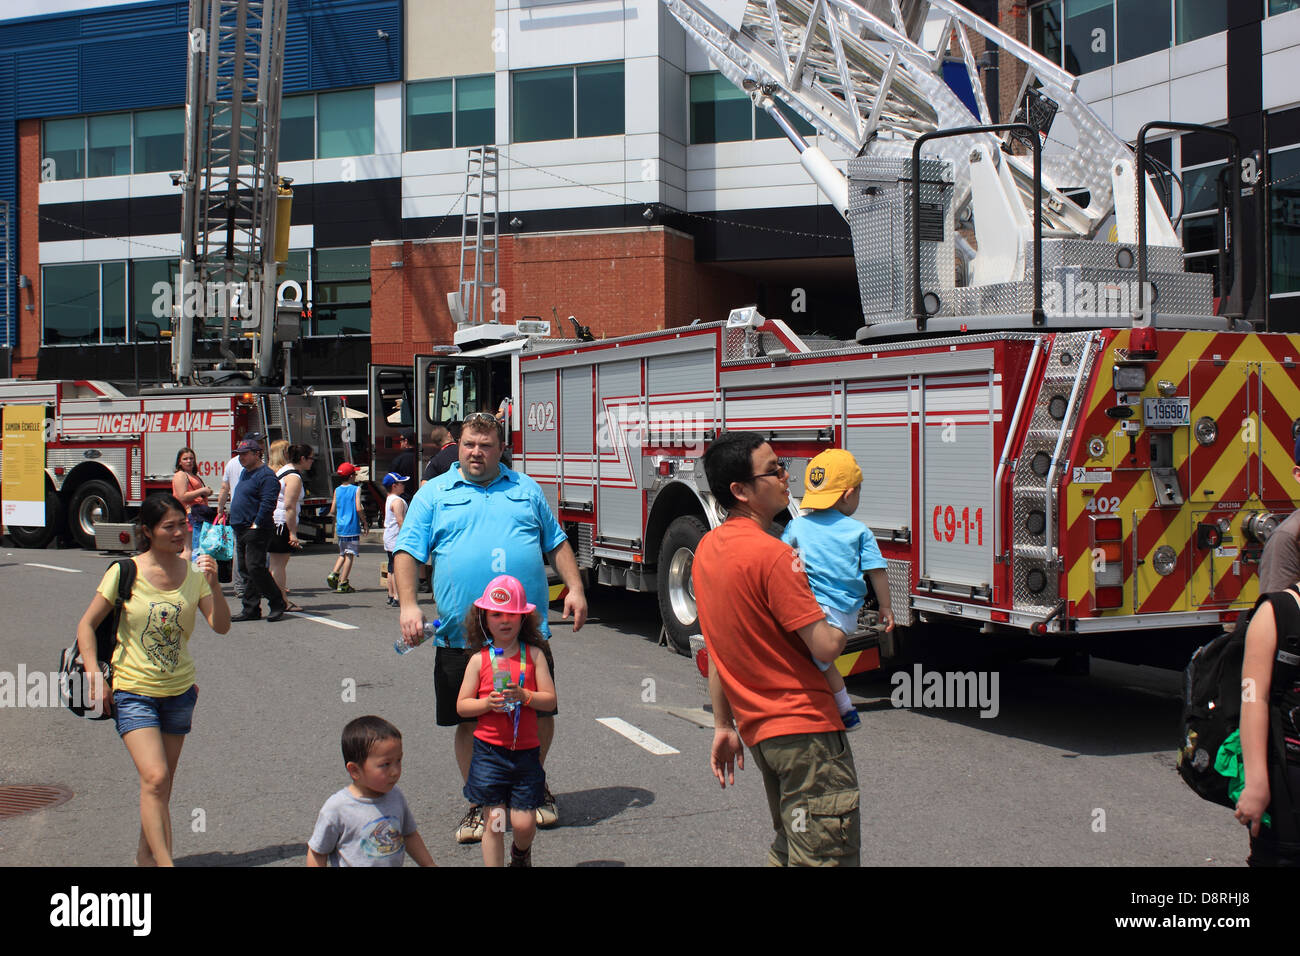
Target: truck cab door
{"x": 392, "y": 411}
{"x": 448, "y": 388}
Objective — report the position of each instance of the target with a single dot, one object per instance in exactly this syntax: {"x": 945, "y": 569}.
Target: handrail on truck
{"x": 1030, "y": 138}
{"x": 1230, "y": 301}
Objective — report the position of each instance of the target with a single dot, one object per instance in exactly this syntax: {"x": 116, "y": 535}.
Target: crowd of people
{"x": 776, "y": 606}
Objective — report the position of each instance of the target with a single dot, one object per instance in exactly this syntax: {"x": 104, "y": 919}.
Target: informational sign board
{"x": 22, "y": 469}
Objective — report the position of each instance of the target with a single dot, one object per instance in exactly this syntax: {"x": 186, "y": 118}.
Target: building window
{"x": 453, "y": 112}
{"x": 340, "y": 302}
{"x": 64, "y": 155}
{"x": 567, "y": 102}
{"x": 1144, "y": 28}
{"x": 600, "y": 99}
{"x": 150, "y": 303}
{"x": 84, "y": 303}
{"x": 722, "y": 113}
{"x": 1089, "y": 35}
{"x": 1045, "y": 30}
{"x": 1194, "y": 19}
{"x": 297, "y": 128}
{"x": 345, "y": 123}
{"x": 1282, "y": 6}
{"x": 159, "y": 141}
{"x": 1284, "y": 220}
{"x": 110, "y": 145}
{"x": 1202, "y": 219}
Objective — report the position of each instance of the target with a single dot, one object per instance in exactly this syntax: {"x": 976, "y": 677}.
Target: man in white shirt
{"x": 229, "y": 480}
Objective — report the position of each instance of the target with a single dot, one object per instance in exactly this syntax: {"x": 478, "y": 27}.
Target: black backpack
{"x": 73, "y": 692}
{"x": 1212, "y": 695}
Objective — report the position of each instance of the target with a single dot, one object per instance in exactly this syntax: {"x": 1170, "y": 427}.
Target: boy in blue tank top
{"x": 836, "y": 549}
{"x": 349, "y": 522}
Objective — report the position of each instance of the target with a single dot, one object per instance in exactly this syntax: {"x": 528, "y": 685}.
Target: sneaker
{"x": 520, "y": 859}
{"x": 332, "y": 580}
{"x": 851, "y": 719}
{"x": 345, "y": 588}
{"x": 393, "y": 602}
{"x": 425, "y": 587}
{"x": 471, "y": 826}
{"x": 548, "y": 815}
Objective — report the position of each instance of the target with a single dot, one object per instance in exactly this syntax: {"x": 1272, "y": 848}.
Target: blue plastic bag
{"x": 217, "y": 540}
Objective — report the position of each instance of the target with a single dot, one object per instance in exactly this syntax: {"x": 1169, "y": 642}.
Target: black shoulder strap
{"x": 1283, "y": 803}
{"x": 125, "y": 579}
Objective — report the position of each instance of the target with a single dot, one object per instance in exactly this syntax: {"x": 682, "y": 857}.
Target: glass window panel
{"x": 1045, "y": 30}
{"x": 341, "y": 292}
{"x": 476, "y": 115}
{"x": 1207, "y": 264}
{"x": 113, "y": 297}
{"x": 765, "y": 127}
{"x": 428, "y": 115}
{"x": 720, "y": 111}
{"x": 298, "y": 128}
{"x": 1199, "y": 18}
{"x": 159, "y": 140}
{"x": 150, "y": 306}
{"x": 71, "y": 297}
{"x": 65, "y": 149}
{"x": 110, "y": 145}
{"x": 600, "y": 100}
{"x": 1200, "y": 234}
{"x": 1200, "y": 189}
{"x": 1282, "y": 6}
{"x": 1284, "y": 221}
{"x": 345, "y": 123}
{"x": 1143, "y": 27}
{"x": 542, "y": 105}
{"x": 1089, "y": 44}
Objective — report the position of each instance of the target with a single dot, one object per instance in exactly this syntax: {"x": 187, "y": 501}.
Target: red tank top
{"x": 499, "y": 728}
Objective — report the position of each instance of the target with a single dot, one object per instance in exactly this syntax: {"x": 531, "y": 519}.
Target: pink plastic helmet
{"x": 505, "y": 594}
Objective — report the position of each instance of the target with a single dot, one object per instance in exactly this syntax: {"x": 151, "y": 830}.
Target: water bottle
{"x": 501, "y": 678}
{"x": 430, "y": 628}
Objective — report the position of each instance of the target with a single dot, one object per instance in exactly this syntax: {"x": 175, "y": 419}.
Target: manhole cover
{"x": 15, "y": 801}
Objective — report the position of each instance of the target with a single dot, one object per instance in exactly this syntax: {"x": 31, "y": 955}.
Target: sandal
{"x": 292, "y": 608}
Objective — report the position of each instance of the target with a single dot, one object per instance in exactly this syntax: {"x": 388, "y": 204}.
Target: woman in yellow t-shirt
{"x": 153, "y": 674}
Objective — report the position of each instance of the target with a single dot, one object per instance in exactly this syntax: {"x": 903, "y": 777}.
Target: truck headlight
{"x": 1206, "y": 431}
{"x": 1164, "y": 560}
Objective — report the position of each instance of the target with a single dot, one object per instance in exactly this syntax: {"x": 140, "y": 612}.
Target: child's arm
{"x": 544, "y": 697}
{"x": 468, "y": 703}
{"x": 880, "y": 582}
{"x": 399, "y": 509}
{"x": 361, "y": 514}
{"x": 333, "y": 501}
{"x": 318, "y": 859}
{"x": 419, "y": 852}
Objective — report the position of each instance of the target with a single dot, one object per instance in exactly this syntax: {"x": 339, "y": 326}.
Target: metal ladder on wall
{"x": 478, "y": 233}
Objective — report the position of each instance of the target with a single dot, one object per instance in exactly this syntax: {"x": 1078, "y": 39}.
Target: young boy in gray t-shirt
{"x": 368, "y": 822}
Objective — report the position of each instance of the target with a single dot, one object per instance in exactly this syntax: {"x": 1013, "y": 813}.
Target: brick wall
{"x": 616, "y": 282}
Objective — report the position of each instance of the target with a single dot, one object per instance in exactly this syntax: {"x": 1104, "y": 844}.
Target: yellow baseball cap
{"x": 828, "y": 476}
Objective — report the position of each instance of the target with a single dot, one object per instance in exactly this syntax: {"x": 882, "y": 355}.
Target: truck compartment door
{"x": 577, "y": 436}
{"x": 620, "y": 436}
{"x": 540, "y": 417}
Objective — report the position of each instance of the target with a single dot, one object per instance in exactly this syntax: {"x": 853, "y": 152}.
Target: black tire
{"x": 676, "y": 591}
{"x": 40, "y": 536}
{"x": 93, "y": 502}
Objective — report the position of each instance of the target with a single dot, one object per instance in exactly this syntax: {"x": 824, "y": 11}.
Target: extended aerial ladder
{"x": 230, "y": 187}
{"x": 882, "y": 78}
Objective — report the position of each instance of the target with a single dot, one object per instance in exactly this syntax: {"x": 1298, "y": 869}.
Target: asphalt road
{"x": 1075, "y": 771}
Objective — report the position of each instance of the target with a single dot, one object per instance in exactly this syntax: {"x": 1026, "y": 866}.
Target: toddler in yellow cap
{"x": 836, "y": 550}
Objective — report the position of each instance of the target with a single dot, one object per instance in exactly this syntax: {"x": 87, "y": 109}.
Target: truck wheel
{"x": 676, "y": 590}
{"x": 93, "y": 502}
{"x": 40, "y": 535}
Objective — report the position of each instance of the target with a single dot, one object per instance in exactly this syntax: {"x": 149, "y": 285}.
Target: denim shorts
{"x": 171, "y": 715}
{"x": 500, "y": 776}
{"x": 349, "y": 544}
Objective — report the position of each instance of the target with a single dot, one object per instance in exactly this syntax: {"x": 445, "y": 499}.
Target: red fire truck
{"x": 105, "y": 451}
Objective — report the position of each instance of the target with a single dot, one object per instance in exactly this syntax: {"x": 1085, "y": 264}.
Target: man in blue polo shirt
{"x": 478, "y": 520}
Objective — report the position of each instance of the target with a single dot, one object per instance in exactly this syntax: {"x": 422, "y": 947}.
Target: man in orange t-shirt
{"x": 762, "y": 628}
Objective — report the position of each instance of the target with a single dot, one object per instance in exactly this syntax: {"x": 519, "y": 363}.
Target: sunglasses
{"x": 778, "y": 472}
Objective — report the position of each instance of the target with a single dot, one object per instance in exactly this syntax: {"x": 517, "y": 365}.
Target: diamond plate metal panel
{"x": 900, "y": 591}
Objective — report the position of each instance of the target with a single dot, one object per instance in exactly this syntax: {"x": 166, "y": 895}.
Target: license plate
{"x": 1166, "y": 412}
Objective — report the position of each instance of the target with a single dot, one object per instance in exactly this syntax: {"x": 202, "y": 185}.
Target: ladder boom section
{"x": 868, "y": 72}
{"x": 229, "y": 183}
